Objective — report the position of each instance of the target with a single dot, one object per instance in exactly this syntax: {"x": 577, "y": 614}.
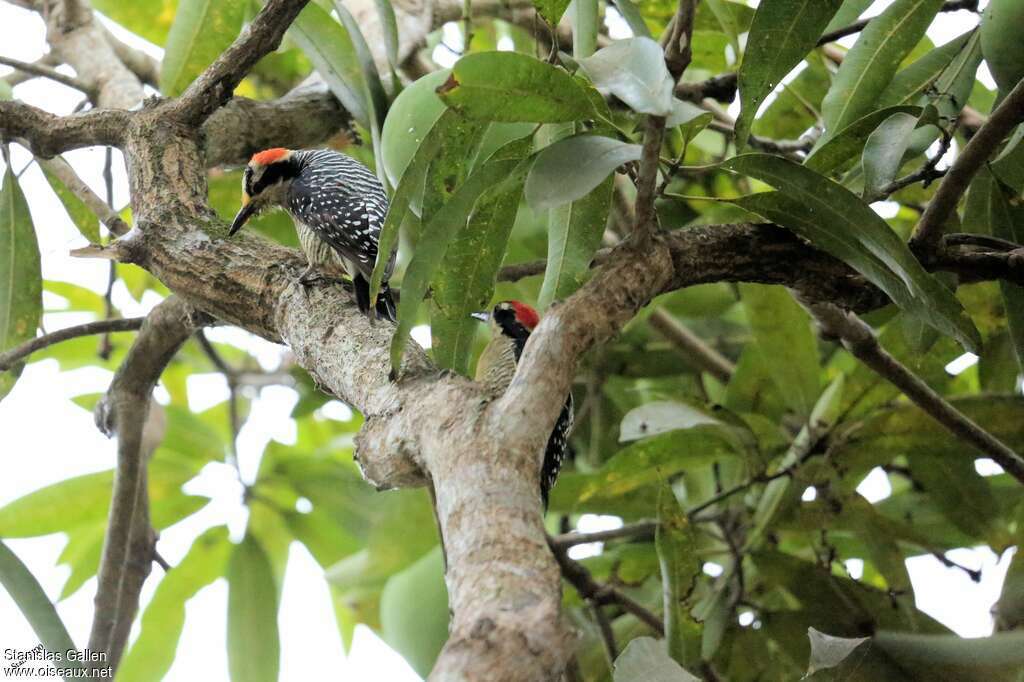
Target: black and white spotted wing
{"x": 342, "y": 201}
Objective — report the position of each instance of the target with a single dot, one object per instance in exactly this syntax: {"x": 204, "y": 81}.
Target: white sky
{"x": 48, "y": 439}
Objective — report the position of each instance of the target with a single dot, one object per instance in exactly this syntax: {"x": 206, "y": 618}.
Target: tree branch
{"x": 47, "y": 135}
{"x": 304, "y": 117}
{"x": 100, "y": 208}
{"x": 858, "y": 26}
{"x": 214, "y": 86}
{"x": 928, "y": 233}
{"x": 693, "y": 347}
{"x": 125, "y": 411}
{"x": 596, "y": 593}
{"x": 9, "y": 358}
{"x": 858, "y": 338}
{"x": 39, "y": 69}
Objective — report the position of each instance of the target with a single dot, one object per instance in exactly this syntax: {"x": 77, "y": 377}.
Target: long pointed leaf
{"x": 782, "y": 32}
{"x": 439, "y": 232}
{"x": 202, "y": 29}
{"x": 870, "y": 66}
{"x": 21, "y": 284}
{"x": 834, "y": 219}
{"x": 254, "y": 648}
{"x": 37, "y": 608}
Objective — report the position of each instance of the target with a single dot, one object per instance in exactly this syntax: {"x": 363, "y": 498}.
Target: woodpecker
{"x": 511, "y": 323}
{"x": 338, "y": 207}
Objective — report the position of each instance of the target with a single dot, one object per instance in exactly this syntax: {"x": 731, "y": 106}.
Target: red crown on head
{"x": 269, "y": 156}
{"x": 525, "y": 314}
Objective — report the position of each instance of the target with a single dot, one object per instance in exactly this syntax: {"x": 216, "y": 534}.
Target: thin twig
{"x": 859, "y": 26}
{"x": 108, "y": 296}
{"x": 694, "y": 347}
{"x": 9, "y": 358}
{"x": 859, "y": 339}
{"x": 928, "y": 233}
{"x": 642, "y": 529}
{"x": 102, "y": 210}
{"x": 39, "y": 69}
{"x": 596, "y": 593}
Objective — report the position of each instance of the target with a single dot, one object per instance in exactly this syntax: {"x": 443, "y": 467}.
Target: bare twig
{"x": 102, "y": 210}
{"x": 858, "y": 338}
{"x": 9, "y": 358}
{"x": 214, "y": 86}
{"x": 694, "y": 347}
{"x": 125, "y": 411}
{"x": 641, "y": 529}
{"x": 600, "y": 595}
{"x": 858, "y": 26}
{"x": 928, "y": 233}
{"x": 44, "y": 71}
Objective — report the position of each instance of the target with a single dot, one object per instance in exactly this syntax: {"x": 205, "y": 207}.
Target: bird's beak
{"x": 483, "y": 317}
{"x": 243, "y": 215}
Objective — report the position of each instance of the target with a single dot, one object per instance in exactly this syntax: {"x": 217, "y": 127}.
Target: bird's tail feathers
{"x": 386, "y": 309}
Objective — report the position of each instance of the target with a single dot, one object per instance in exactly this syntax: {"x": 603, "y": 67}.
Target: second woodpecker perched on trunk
{"x": 338, "y": 206}
{"x": 511, "y": 324}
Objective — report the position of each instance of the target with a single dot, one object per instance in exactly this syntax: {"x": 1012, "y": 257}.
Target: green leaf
{"x": 574, "y": 235}
{"x": 442, "y": 229}
{"x": 658, "y": 457}
{"x": 150, "y": 19}
{"x": 410, "y": 119}
{"x": 153, "y": 652}
{"x": 466, "y": 280}
{"x": 661, "y": 416}
{"x": 634, "y": 71}
{"x": 21, "y": 284}
{"x": 837, "y": 221}
{"x": 83, "y": 218}
{"x": 847, "y": 14}
{"x": 202, "y": 30}
{"x": 848, "y": 143}
{"x": 254, "y": 649}
{"x": 869, "y": 67}
{"x": 634, "y": 19}
{"x": 1009, "y": 610}
{"x": 797, "y": 103}
{"x": 84, "y": 499}
{"x": 883, "y": 152}
{"x": 584, "y": 28}
{"x": 910, "y": 83}
{"x": 409, "y": 186}
{"x": 999, "y": 657}
{"x": 828, "y": 651}
{"x": 690, "y": 116}
{"x": 783, "y": 31}
{"x": 572, "y": 167}
{"x": 646, "y": 658}
{"x": 331, "y": 50}
{"x": 389, "y": 27}
{"x": 37, "y": 608}
{"x": 779, "y": 493}
{"x": 676, "y": 544}
{"x": 513, "y": 87}
{"x": 414, "y": 612}
{"x": 783, "y": 334}
{"x": 1005, "y": 218}
{"x": 372, "y": 88}
{"x": 551, "y": 10}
